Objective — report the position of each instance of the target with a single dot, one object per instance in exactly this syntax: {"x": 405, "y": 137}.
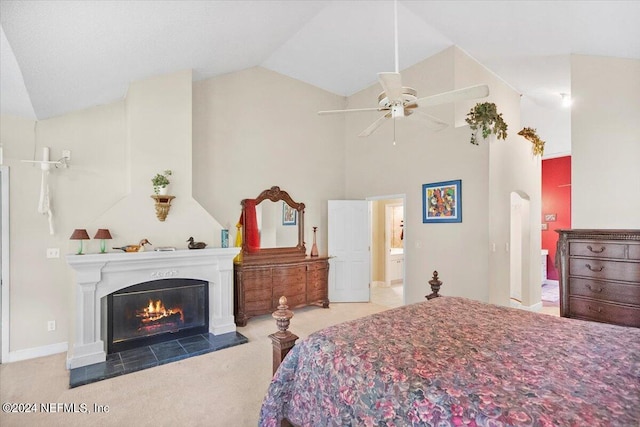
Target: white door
{"x": 348, "y": 245}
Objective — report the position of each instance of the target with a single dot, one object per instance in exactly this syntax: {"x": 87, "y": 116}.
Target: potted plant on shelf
{"x": 160, "y": 182}
{"x": 530, "y": 135}
{"x": 485, "y": 116}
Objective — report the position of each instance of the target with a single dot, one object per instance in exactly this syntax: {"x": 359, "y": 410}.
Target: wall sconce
{"x": 566, "y": 100}
{"x": 103, "y": 234}
{"x": 79, "y": 234}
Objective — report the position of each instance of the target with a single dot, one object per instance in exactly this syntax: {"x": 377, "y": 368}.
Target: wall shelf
{"x": 163, "y": 204}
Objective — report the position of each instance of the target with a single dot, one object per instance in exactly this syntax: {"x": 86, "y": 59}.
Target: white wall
{"x": 116, "y": 149}
{"x": 376, "y": 167}
{"x": 254, "y": 129}
{"x": 605, "y": 127}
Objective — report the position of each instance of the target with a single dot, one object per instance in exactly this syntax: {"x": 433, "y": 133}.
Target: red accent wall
{"x": 556, "y": 199}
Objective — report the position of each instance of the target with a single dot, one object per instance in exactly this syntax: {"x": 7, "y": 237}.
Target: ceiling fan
{"x": 398, "y": 101}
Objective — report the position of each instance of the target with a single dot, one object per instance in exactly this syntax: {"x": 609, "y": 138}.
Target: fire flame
{"x": 156, "y": 311}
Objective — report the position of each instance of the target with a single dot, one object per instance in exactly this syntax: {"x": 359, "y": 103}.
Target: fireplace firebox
{"x": 156, "y": 311}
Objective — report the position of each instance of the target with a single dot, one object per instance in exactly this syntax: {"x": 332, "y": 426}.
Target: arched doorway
{"x": 519, "y": 242}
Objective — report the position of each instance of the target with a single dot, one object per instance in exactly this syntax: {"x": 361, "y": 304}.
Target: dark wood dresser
{"x": 600, "y": 275}
{"x": 259, "y": 286}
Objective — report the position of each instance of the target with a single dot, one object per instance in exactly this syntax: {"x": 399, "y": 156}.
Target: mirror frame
{"x": 266, "y": 254}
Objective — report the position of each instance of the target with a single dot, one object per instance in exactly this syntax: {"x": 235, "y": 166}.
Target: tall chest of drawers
{"x": 600, "y": 275}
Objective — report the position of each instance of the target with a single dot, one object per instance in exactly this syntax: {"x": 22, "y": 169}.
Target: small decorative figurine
{"x": 196, "y": 245}
{"x": 135, "y": 248}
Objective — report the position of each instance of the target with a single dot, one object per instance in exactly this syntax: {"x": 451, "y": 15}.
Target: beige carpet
{"x": 223, "y": 388}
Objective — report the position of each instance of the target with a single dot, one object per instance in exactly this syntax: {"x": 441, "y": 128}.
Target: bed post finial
{"x": 283, "y": 340}
{"x": 283, "y": 316}
{"x": 435, "y": 286}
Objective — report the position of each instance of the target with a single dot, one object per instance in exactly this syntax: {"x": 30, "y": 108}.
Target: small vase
{"x": 314, "y": 248}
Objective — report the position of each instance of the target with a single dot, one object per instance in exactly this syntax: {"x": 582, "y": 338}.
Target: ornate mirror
{"x": 273, "y": 226}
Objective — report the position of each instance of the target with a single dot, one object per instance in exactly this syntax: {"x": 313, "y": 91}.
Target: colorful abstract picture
{"x": 442, "y": 202}
{"x": 289, "y": 215}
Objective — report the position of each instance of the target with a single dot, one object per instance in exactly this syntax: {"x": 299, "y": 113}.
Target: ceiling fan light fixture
{"x": 397, "y": 111}
{"x": 407, "y": 96}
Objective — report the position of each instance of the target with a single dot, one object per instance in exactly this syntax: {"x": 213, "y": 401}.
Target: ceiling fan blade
{"x": 392, "y": 85}
{"x": 471, "y": 92}
{"x": 375, "y": 125}
{"x": 430, "y": 121}
{"x": 353, "y": 110}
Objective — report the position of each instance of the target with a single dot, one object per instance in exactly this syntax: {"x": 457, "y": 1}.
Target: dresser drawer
{"x": 257, "y": 295}
{"x": 604, "y": 312}
{"x": 317, "y": 278}
{"x": 258, "y": 307}
{"x": 597, "y": 249}
{"x": 256, "y": 279}
{"x": 598, "y": 269}
{"x": 605, "y": 291}
{"x": 285, "y": 276}
{"x": 323, "y": 265}
{"x": 316, "y": 296}
{"x": 288, "y": 290}
{"x": 634, "y": 252}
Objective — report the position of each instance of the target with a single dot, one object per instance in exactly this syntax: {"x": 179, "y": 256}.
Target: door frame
{"x": 4, "y": 258}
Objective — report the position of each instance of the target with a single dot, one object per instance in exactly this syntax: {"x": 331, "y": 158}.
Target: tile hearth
{"x": 137, "y": 359}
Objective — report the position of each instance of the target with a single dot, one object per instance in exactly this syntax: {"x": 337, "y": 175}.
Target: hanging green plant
{"x": 531, "y": 135}
{"x": 485, "y": 116}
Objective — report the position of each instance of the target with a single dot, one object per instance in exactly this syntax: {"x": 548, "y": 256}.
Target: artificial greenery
{"x": 486, "y": 117}
{"x": 161, "y": 180}
{"x": 531, "y": 135}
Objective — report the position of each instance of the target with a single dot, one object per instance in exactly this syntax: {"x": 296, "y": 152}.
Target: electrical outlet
{"x": 66, "y": 154}
{"x": 51, "y": 325}
{"x": 53, "y": 252}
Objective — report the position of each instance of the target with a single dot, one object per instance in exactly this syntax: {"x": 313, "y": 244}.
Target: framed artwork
{"x": 442, "y": 201}
{"x": 544, "y": 226}
{"x": 289, "y": 215}
{"x": 549, "y": 217}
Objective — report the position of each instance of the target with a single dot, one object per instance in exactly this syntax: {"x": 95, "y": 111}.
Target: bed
{"x": 452, "y": 361}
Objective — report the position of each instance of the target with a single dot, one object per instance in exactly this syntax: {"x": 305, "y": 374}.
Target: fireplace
{"x": 156, "y": 311}
{"x": 100, "y": 275}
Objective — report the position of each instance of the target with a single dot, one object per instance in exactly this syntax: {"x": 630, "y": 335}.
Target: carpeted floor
{"x": 223, "y": 388}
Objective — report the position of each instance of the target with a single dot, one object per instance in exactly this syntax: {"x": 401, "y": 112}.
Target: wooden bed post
{"x": 435, "y": 286}
{"x": 283, "y": 340}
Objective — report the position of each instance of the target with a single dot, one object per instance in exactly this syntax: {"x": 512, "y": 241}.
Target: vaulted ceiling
{"x": 61, "y": 56}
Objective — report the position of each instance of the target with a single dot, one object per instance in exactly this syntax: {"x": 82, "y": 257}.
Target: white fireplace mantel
{"x": 98, "y": 275}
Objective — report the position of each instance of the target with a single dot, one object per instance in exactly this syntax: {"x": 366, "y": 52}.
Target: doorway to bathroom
{"x": 387, "y": 251}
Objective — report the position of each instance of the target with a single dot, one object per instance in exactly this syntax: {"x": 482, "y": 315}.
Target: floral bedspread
{"x": 457, "y": 362}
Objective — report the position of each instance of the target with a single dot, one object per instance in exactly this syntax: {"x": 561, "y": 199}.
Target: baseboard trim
{"x": 32, "y": 353}
{"x": 517, "y": 304}
{"x": 551, "y": 282}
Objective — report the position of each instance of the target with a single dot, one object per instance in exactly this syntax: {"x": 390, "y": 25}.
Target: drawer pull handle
{"x": 594, "y": 290}
{"x": 598, "y": 310}
{"x": 594, "y": 251}
{"x": 594, "y": 269}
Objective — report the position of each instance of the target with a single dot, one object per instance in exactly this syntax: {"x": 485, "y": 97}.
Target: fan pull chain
{"x": 394, "y": 131}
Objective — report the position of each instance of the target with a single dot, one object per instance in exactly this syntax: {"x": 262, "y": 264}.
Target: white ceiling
{"x": 61, "y": 56}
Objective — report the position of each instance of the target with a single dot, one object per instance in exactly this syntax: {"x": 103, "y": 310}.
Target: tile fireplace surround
{"x": 98, "y": 275}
